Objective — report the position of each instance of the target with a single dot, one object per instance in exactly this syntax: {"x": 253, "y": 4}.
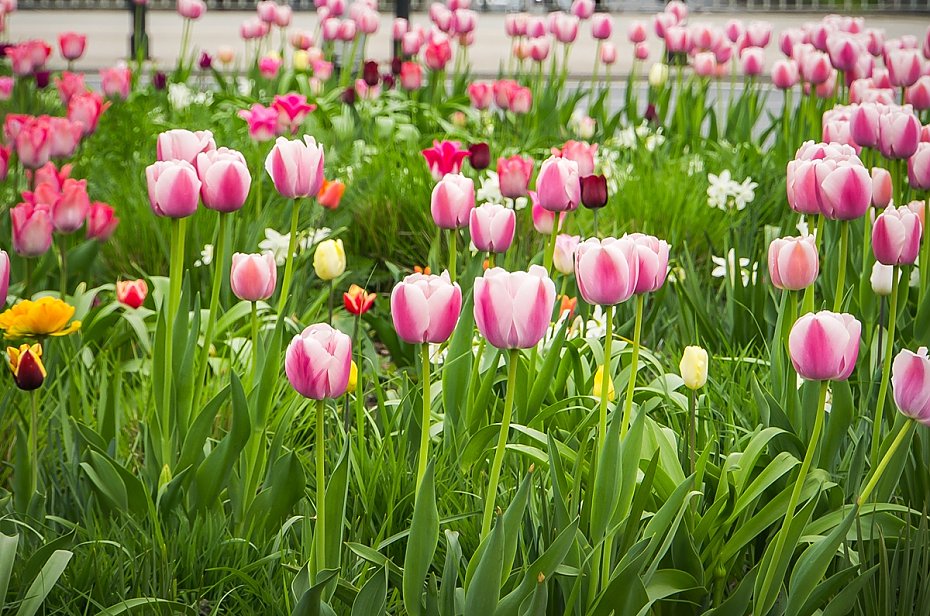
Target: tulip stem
{"x": 219, "y": 264}
{"x": 176, "y": 272}
{"x": 692, "y": 429}
{"x": 501, "y": 444}
{"x": 320, "y": 489}
{"x": 289, "y": 264}
{"x": 329, "y": 301}
{"x": 254, "y": 342}
{"x": 550, "y": 246}
{"x": 605, "y": 378}
{"x": 634, "y": 365}
{"x": 453, "y": 257}
{"x": 925, "y": 255}
{"x": 63, "y": 254}
{"x": 34, "y": 441}
{"x": 841, "y": 274}
{"x": 424, "y": 423}
{"x": 796, "y": 492}
{"x": 880, "y": 469}
{"x": 886, "y": 367}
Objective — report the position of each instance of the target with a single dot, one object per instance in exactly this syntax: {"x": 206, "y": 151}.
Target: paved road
{"x": 108, "y": 34}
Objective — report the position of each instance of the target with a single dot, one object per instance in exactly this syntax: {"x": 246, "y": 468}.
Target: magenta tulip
{"x": 896, "y": 236}
{"x": 910, "y": 384}
{"x": 452, "y": 201}
{"x": 898, "y": 133}
{"x": 296, "y": 167}
{"x": 225, "y": 179}
{"x": 793, "y": 262}
{"x": 32, "y": 229}
{"x": 70, "y": 209}
{"x": 513, "y": 309}
{"x": 318, "y": 362}
{"x": 425, "y": 308}
{"x": 71, "y": 45}
{"x": 252, "y": 277}
{"x": 824, "y": 345}
{"x": 262, "y": 121}
{"x": 602, "y": 26}
{"x": 33, "y": 143}
{"x": 101, "y": 221}
{"x": 181, "y": 144}
{"x": 445, "y": 157}
{"x": 607, "y": 270}
{"x": 174, "y": 189}
{"x": 492, "y": 227}
{"x": 558, "y": 186}
{"x": 4, "y": 276}
{"x": 785, "y": 74}
{"x": 292, "y": 111}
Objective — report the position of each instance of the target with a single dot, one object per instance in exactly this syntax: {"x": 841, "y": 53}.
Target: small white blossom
{"x": 206, "y": 256}
{"x": 275, "y": 243}
{"x": 725, "y": 193}
{"x": 726, "y": 268}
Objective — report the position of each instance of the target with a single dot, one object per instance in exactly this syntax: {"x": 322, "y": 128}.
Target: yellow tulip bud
{"x": 353, "y": 378}
{"x": 693, "y": 367}
{"x": 658, "y": 74}
{"x": 599, "y": 385}
{"x": 329, "y": 260}
{"x": 301, "y": 60}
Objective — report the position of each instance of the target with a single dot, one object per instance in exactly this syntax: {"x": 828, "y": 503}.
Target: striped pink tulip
{"x": 225, "y": 179}
{"x": 425, "y": 308}
{"x": 652, "y": 257}
{"x": 181, "y": 144}
{"x": 824, "y": 346}
{"x": 296, "y": 167}
{"x": 253, "y": 277}
{"x": 607, "y": 270}
{"x": 793, "y": 262}
{"x": 513, "y": 309}
{"x": 910, "y": 384}
{"x": 318, "y": 362}
{"x": 896, "y": 236}
{"x": 492, "y": 227}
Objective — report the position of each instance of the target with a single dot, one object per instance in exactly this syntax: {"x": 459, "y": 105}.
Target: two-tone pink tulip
{"x": 225, "y": 179}
{"x": 910, "y": 384}
{"x": 492, "y": 227}
{"x": 824, "y": 346}
{"x": 182, "y": 144}
{"x": 173, "y": 187}
{"x": 32, "y": 229}
{"x": 426, "y": 308}
{"x": 296, "y": 167}
{"x": 607, "y": 270}
{"x": 558, "y": 185}
{"x": 896, "y": 236}
{"x": 793, "y": 262}
{"x": 452, "y": 201}
{"x": 253, "y": 277}
{"x": 513, "y": 309}
{"x": 318, "y": 362}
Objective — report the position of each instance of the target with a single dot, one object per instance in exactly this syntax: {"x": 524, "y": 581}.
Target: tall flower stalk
{"x": 498, "y": 461}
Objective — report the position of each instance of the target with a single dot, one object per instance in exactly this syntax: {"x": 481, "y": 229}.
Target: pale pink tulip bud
{"x": 70, "y": 209}
{"x": 425, "y": 308}
{"x": 705, "y": 64}
{"x": 652, "y": 256}
{"x": 824, "y": 346}
{"x": 641, "y": 52}
{"x": 563, "y": 258}
{"x": 4, "y": 276}
{"x": 898, "y": 133}
{"x": 583, "y": 9}
{"x": 191, "y": 9}
{"x": 636, "y": 32}
{"x": 918, "y": 167}
{"x": 918, "y": 95}
{"x": 896, "y": 236}
{"x": 318, "y": 362}
{"x": 72, "y": 46}
{"x": 296, "y": 167}
{"x": 608, "y": 54}
{"x": 491, "y": 227}
{"x": 452, "y": 201}
{"x": 252, "y": 277}
{"x": 514, "y": 175}
{"x": 513, "y": 309}
{"x": 543, "y": 219}
{"x": 752, "y": 61}
{"x": 904, "y": 66}
{"x": 793, "y": 262}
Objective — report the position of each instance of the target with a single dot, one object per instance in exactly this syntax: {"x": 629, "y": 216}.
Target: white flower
{"x": 490, "y": 190}
{"x": 437, "y": 353}
{"x": 244, "y": 85}
{"x": 724, "y": 193}
{"x": 695, "y": 166}
{"x": 312, "y": 237}
{"x": 596, "y": 327}
{"x": 179, "y": 95}
{"x": 726, "y": 268}
{"x": 275, "y": 243}
{"x": 206, "y": 256}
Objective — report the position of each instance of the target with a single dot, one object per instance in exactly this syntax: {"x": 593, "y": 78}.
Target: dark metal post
{"x": 401, "y": 9}
{"x": 139, "y": 39}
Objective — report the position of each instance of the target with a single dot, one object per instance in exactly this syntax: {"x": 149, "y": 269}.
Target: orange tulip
{"x": 331, "y": 193}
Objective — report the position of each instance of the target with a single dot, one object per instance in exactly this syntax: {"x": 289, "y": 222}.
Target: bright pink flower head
{"x": 793, "y": 262}
{"x": 262, "y": 121}
{"x": 182, "y": 144}
{"x": 734, "y": 30}
{"x": 481, "y": 94}
{"x": 491, "y": 227}
{"x": 318, "y": 362}
{"x": 513, "y": 309}
{"x": 296, "y": 167}
{"x": 652, "y": 256}
{"x": 86, "y": 108}
{"x": 896, "y": 236}
{"x": 6, "y": 87}
{"x": 514, "y": 175}
{"x": 425, "y": 308}
{"x": 824, "y": 345}
{"x": 641, "y": 51}
{"x": 910, "y": 384}
{"x": 5, "y": 152}
{"x": 225, "y": 179}
{"x": 785, "y": 74}
{"x": 602, "y": 26}
{"x": 445, "y": 157}
{"x": 838, "y": 189}
{"x": 131, "y": 293}
{"x": 116, "y": 81}
{"x": 752, "y": 61}
{"x": 101, "y": 221}
{"x": 70, "y": 84}
{"x": 918, "y": 167}
{"x": 581, "y": 152}
{"x": 191, "y": 9}
{"x": 4, "y": 276}
{"x": 607, "y": 271}
{"x": 558, "y": 186}
{"x": 292, "y": 111}
{"x": 918, "y": 95}
{"x": 174, "y": 189}
{"x": 452, "y": 201}
{"x": 898, "y": 133}
{"x": 904, "y": 66}
{"x": 252, "y": 277}
{"x": 636, "y": 32}
{"x": 543, "y": 219}
{"x": 882, "y": 188}
{"x": 32, "y": 229}
{"x": 33, "y": 143}
{"x": 70, "y": 209}
{"x": 863, "y": 124}
{"x": 583, "y": 9}
{"x": 411, "y": 76}
{"x": 268, "y": 66}
{"x": 438, "y": 52}
{"x": 64, "y": 136}
{"x": 71, "y": 45}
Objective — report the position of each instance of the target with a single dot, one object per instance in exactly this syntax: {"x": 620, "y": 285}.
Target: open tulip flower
{"x": 46, "y": 316}
{"x": 358, "y": 301}
{"x": 445, "y": 157}
{"x": 131, "y": 292}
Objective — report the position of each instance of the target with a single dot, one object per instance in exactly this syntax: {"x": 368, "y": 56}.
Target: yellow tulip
{"x": 301, "y": 60}
{"x": 353, "y": 378}
{"x": 693, "y": 367}
{"x": 599, "y": 384}
{"x": 329, "y": 260}
{"x": 47, "y": 316}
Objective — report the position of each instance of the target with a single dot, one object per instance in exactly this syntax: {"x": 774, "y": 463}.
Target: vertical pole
{"x": 139, "y": 39}
{"x": 401, "y": 9}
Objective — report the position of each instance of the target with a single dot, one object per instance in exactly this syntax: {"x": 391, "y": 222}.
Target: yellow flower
{"x": 329, "y": 260}
{"x": 353, "y": 378}
{"x": 26, "y": 365}
{"x": 693, "y": 367}
{"x": 47, "y": 316}
{"x": 301, "y": 60}
{"x": 599, "y": 384}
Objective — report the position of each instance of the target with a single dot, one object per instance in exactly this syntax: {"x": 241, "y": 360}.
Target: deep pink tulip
{"x": 863, "y": 125}
{"x": 6, "y": 87}
{"x": 602, "y": 26}
{"x": 64, "y": 136}
{"x": 252, "y": 277}
{"x": 101, "y": 221}
{"x": 70, "y": 209}
{"x": 824, "y": 345}
{"x": 583, "y": 9}
{"x": 904, "y": 66}
{"x": 452, "y": 201}
{"x": 918, "y": 167}
{"x": 896, "y": 236}
{"x": 116, "y": 81}
{"x": 514, "y": 175}
{"x": 86, "y": 108}
{"x": 268, "y": 66}
{"x": 318, "y": 362}
{"x": 411, "y": 76}
{"x": 174, "y": 189}
{"x": 543, "y": 219}
{"x": 33, "y": 143}
{"x": 558, "y": 186}
{"x": 563, "y": 257}
{"x": 898, "y": 133}
{"x": 292, "y": 111}
{"x": 513, "y": 309}
{"x": 839, "y": 190}
{"x": 910, "y": 384}
{"x": 445, "y": 157}
{"x": 752, "y": 61}
{"x": 425, "y": 308}
{"x": 882, "y": 188}
{"x": 437, "y": 53}
{"x": 225, "y": 179}
{"x": 492, "y": 227}
{"x": 785, "y": 74}
{"x": 641, "y": 52}
{"x": 296, "y": 167}
{"x": 262, "y": 121}
{"x": 607, "y": 270}
{"x": 71, "y": 45}
{"x": 181, "y": 144}
{"x": 581, "y": 152}
{"x": 5, "y": 152}
{"x": 734, "y": 30}
{"x": 793, "y": 262}
{"x": 652, "y": 256}
{"x": 32, "y": 229}
{"x": 4, "y": 276}
{"x": 481, "y": 94}
{"x": 636, "y": 32}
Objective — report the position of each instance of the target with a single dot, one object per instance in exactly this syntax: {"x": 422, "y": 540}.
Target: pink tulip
{"x": 838, "y": 189}
{"x": 608, "y": 54}
{"x": 266, "y": 10}
{"x": 399, "y": 28}
{"x": 652, "y": 256}
{"x": 181, "y": 144}
{"x": 678, "y": 9}
{"x": 539, "y": 49}
{"x": 543, "y": 219}
{"x": 734, "y": 30}
{"x": 6, "y": 87}
{"x": 882, "y": 188}
{"x": 918, "y": 167}
{"x": 641, "y": 52}
{"x": 262, "y": 121}
{"x": 131, "y": 293}
{"x": 4, "y": 276}
{"x": 563, "y": 257}
{"x": 64, "y": 136}
{"x": 844, "y": 51}
{"x": 70, "y": 84}
{"x": 444, "y": 157}
{"x": 32, "y": 229}
{"x": 5, "y": 152}
{"x": 411, "y": 76}
{"x": 896, "y": 236}
{"x": 101, "y": 222}
{"x": 520, "y": 99}
{"x": 752, "y": 61}
{"x": 583, "y": 9}
{"x": 268, "y": 66}
{"x": 758, "y": 34}
{"x": 225, "y": 179}
{"x": 253, "y": 28}
{"x": 367, "y": 21}
{"x": 602, "y": 26}
{"x": 438, "y": 52}
{"x": 785, "y": 74}
{"x": 282, "y": 16}
{"x": 191, "y": 9}
{"x": 411, "y": 43}
{"x": 558, "y": 186}
{"x": 425, "y": 308}
{"x": 661, "y": 22}
{"x": 816, "y": 67}
{"x": 863, "y": 125}
{"x": 581, "y": 152}
{"x": 514, "y": 175}
{"x": 910, "y": 384}
{"x": 318, "y": 362}
{"x": 492, "y": 227}
{"x": 71, "y": 45}
{"x": 296, "y": 167}
{"x": 636, "y": 32}
{"x": 322, "y": 69}
{"x": 513, "y": 309}
{"x": 705, "y": 64}
{"x": 898, "y": 133}
{"x": 116, "y": 81}
{"x": 70, "y": 209}
{"x": 33, "y": 143}
{"x": 824, "y": 345}
{"x": 452, "y": 201}
{"x": 564, "y": 27}
{"x": 904, "y": 66}
{"x": 86, "y": 108}
{"x": 793, "y": 262}
{"x": 481, "y": 94}
{"x": 607, "y": 271}
{"x": 174, "y": 189}
{"x": 298, "y": 40}
{"x": 464, "y": 21}
{"x": 918, "y": 95}
{"x": 252, "y": 277}
{"x": 292, "y": 111}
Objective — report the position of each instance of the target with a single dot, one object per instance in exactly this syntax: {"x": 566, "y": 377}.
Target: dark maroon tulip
{"x": 651, "y": 115}
{"x": 159, "y": 80}
{"x": 348, "y": 96}
{"x": 479, "y": 155}
{"x": 396, "y": 63}
{"x": 594, "y": 191}
{"x": 42, "y": 79}
{"x": 206, "y": 61}
{"x": 370, "y": 73}
{"x": 387, "y": 80}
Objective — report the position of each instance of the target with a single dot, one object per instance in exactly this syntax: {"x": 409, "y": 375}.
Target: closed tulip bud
{"x": 329, "y": 259}
{"x": 918, "y": 167}
{"x": 411, "y": 76}
{"x": 608, "y": 54}
{"x": 4, "y": 276}
{"x": 101, "y": 222}
{"x": 558, "y": 186}
{"x": 658, "y": 75}
{"x": 910, "y": 384}
{"x": 594, "y": 191}
{"x": 599, "y": 385}
{"x": 838, "y": 189}
{"x": 33, "y": 143}
{"x": 896, "y": 236}
{"x": 32, "y": 229}
{"x": 225, "y": 179}
{"x": 425, "y": 308}
{"x": 514, "y": 175}
{"x": 452, "y": 200}
{"x": 71, "y": 45}
{"x": 785, "y": 74}
{"x": 253, "y": 277}
{"x": 752, "y": 61}
{"x": 918, "y": 95}
{"x": 479, "y": 156}
{"x": 492, "y": 227}
{"x": 641, "y": 53}
{"x": 26, "y": 365}
{"x": 131, "y": 293}
{"x": 181, "y": 144}
{"x": 116, "y": 81}
{"x": 543, "y": 219}
{"x": 353, "y": 379}
{"x": 602, "y": 26}
{"x": 904, "y": 66}
{"x": 607, "y": 270}
{"x": 793, "y": 262}
{"x": 64, "y": 137}
{"x": 652, "y": 256}
{"x": 693, "y": 367}
{"x": 564, "y": 255}
{"x": 191, "y": 9}
{"x": 863, "y": 125}
{"x": 71, "y": 207}
{"x": 824, "y": 346}
{"x": 174, "y": 189}
{"x": 705, "y": 64}
{"x": 318, "y": 362}
{"x": 882, "y": 279}
{"x": 296, "y": 167}
{"x": 898, "y": 134}
{"x": 513, "y": 309}
{"x": 357, "y": 301}
{"x": 881, "y": 187}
